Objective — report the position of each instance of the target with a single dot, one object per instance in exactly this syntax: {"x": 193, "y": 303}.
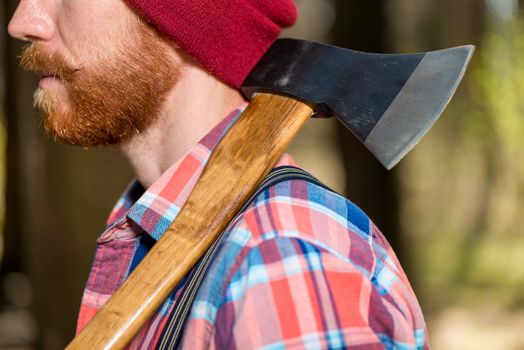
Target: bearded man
{"x": 301, "y": 267}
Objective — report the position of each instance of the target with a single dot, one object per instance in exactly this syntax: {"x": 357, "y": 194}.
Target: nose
{"x": 32, "y": 22}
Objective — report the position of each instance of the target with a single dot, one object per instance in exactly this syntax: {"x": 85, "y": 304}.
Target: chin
{"x": 50, "y": 102}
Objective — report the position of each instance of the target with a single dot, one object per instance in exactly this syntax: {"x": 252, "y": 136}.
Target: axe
{"x": 388, "y": 101}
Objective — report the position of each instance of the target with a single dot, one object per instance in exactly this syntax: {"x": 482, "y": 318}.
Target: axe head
{"x": 388, "y": 101}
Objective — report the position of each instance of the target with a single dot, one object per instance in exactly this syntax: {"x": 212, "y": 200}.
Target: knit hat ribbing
{"x": 228, "y": 37}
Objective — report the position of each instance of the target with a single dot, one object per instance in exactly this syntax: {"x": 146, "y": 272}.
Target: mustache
{"x": 34, "y": 59}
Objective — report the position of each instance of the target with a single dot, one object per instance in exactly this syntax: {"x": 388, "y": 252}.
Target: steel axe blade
{"x": 388, "y": 101}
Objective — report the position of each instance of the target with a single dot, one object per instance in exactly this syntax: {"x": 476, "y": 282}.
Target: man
{"x": 301, "y": 267}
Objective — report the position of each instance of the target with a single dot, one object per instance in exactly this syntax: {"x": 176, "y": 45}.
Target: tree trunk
{"x": 360, "y": 25}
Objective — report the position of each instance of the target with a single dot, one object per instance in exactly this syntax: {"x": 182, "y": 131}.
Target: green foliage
{"x": 496, "y": 108}
{"x": 474, "y": 247}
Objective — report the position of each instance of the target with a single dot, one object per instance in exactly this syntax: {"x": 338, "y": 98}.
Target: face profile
{"x": 95, "y": 90}
{"x": 105, "y": 104}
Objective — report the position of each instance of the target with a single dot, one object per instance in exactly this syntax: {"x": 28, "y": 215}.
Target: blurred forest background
{"x": 451, "y": 209}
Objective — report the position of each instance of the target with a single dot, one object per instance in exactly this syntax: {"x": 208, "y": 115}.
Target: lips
{"x": 48, "y": 79}
{"x": 48, "y": 75}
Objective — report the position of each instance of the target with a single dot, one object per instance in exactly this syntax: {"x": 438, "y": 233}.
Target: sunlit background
{"x": 451, "y": 209}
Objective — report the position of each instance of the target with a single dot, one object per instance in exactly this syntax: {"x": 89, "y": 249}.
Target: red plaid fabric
{"x": 302, "y": 267}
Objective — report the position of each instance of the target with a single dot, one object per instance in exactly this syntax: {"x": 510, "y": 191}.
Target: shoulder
{"x": 309, "y": 212}
{"x": 305, "y": 211}
{"x": 297, "y": 248}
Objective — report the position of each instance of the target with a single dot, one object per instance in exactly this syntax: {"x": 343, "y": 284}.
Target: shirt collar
{"x": 156, "y": 208}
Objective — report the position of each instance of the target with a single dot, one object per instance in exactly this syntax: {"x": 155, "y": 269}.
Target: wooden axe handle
{"x": 236, "y": 168}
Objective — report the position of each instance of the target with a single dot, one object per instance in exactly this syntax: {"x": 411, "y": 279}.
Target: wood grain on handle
{"x": 237, "y": 166}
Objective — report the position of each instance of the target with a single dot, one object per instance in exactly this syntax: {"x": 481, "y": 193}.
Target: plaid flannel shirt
{"x": 302, "y": 267}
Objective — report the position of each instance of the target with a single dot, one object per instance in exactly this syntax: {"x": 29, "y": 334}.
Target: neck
{"x": 196, "y": 104}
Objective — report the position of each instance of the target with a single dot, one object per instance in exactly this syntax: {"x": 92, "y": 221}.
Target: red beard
{"x": 108, "y": 104}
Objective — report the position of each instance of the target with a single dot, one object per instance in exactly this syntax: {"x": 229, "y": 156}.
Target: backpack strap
{"x": 172, "y": 331}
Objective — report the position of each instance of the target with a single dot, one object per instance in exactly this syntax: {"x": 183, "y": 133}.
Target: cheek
{"x": 91, "y": 29}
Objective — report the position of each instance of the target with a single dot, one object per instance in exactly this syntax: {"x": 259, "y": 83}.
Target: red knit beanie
{"x": 228, "y": 37}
